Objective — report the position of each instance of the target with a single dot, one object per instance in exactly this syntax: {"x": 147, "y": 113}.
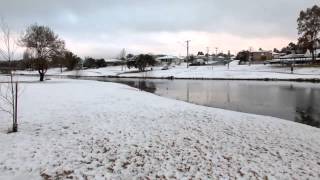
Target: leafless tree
{"x": 44, "y": 43}
{"x": 9, "y": 90}
{"x": 122, "y": 57}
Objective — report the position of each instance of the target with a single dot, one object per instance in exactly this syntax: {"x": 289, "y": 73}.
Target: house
{"x": 261, "y": 55}
{"x": 167, "y": 59}
{"x": 198, "y": 61}
{"x": 114, "y": 62}
{"x": 277, "y": 55}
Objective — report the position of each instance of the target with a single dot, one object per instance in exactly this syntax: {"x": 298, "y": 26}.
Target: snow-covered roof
{"x": 113, "y": 60}
{"x": 262, "y": 51}
{"x": 293, "y": 56}
{"x": 167, "y": 57}
{"x": 274, "y": 53}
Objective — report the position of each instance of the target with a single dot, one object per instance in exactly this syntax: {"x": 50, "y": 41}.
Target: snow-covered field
{"x": 235, "y": 71}
{"x": 107, "y": 71}
{"x": 97, "y": 130}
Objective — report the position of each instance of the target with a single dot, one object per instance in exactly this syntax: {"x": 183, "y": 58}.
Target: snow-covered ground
{"x": 96, "y": 130}
{"x": 107, "y": 71}
{"x": 235, "y": 71}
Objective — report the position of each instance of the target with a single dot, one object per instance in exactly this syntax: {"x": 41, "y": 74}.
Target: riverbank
{"x": 90, "y": 129}
{"x": 234, "y": 72}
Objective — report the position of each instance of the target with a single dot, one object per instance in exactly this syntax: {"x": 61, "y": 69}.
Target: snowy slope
{"x": 234, "y": 72}
{"x": 87, "y": 129}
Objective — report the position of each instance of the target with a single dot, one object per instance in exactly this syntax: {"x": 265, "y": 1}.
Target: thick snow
{"x": 235, "y": 71}
{"x": 107, "y": 71}
{"x": 97, "y": 130}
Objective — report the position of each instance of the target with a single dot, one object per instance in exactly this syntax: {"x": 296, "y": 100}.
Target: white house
{"x": 168, "y": 59}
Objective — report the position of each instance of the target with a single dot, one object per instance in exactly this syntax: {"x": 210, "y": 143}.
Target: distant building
{"x": 198, "y": 61}
{"x": 261, "y": 55}
{"x": 168, "y": 59}
{"x": 114, "y": 62}
{"x": 277, "y": 55}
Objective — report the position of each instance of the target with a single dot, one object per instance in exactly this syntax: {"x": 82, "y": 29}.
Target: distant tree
{"x": 44, "y": 43}
{"x": 276, "y": 50}
{"x": 222, "y": 54}
{"x": 28, "y": 60}
{"x": 101, "y": 63}
{"x": 58, "y": 60}
{"x": 89, "y": 62}
{"x": 71, "y": 60}
{"x": 304, "y": 44}
{"x": 143, "y": 61}
{"x": 309, "y": 26}
{"x": 200, "y": 53}
{"x": 284, "y": 50}
{"x": 293, "y": 47}
{"x": 131, "y": 64}
{"x": 129, "y": 56}
{"x": 243, "y": 56}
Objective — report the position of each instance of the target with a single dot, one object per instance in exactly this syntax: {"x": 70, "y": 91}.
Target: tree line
{"x": 308, "y": 26}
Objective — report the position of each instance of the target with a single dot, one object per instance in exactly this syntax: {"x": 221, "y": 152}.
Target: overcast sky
{"x": 101, "y": 28}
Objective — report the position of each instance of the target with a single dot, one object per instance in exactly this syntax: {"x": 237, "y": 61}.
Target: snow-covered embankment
{"x": 91, "y": 129}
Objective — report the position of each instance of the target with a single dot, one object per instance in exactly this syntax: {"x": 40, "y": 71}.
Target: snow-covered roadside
{"x": 106, "y": 71}
{"x": 91, "y": 129}
{"x": 235, "y": 71}
{"x": 6, "y": 78}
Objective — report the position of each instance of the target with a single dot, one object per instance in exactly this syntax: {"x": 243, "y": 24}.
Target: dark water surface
{"x": 295, "y": 101}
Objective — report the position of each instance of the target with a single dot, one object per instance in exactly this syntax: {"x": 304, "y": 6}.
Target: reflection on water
{"x": 294, "y": 101}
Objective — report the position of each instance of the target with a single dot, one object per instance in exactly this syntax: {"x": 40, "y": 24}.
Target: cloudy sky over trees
{"x": 103, "y": 28}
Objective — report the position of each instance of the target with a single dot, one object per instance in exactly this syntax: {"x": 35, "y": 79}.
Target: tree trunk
{"x": 313, "y": 56}
{"x": 15, "y": 122}
{"x": 41, "y": 76}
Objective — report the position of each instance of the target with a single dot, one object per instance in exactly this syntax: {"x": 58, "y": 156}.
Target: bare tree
{"x": 9, "y": 91}
{"x": 122, "y": 57}
{"x": 44, "y": 43}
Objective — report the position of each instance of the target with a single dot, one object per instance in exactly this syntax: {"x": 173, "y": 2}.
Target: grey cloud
{"x": 89, "y": 20}
{"x": 246, "y": 17}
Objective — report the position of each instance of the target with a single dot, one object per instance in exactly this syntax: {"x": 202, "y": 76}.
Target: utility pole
{"x": 216, "y": 53}
{"x": 187, "y": 41}
{"x": 207, "y": 55}
{"x": 250, "y": 55}
{"x": 122, "y": 57}
{"x": 229, "y": 58}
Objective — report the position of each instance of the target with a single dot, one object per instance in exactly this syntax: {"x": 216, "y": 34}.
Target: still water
{"x": 293, "y": 101}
